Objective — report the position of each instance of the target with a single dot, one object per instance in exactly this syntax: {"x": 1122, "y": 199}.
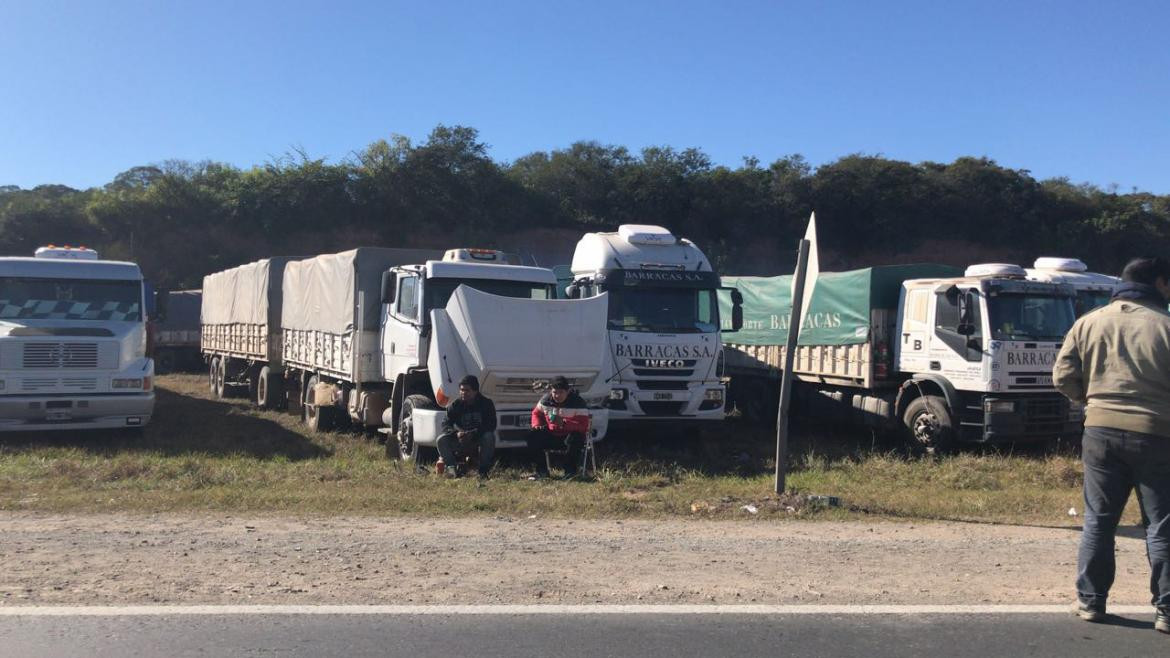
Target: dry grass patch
{"x": 204, "y": 454}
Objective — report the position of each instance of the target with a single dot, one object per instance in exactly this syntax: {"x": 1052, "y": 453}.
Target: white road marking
{"x": 550, "y": 609}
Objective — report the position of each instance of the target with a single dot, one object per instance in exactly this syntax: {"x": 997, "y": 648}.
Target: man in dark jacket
{"x": 1117, "y": 360}
{"x": 470, "y": 424}
{"x": 559, "y": 422}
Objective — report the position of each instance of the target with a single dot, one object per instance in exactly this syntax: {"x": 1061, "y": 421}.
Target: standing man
{"x": 559, "y": 421}
{"x": 470, "y": 424}
{"x": 1117, "y": 360}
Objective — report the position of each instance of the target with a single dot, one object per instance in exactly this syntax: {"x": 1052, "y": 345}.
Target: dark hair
{"x": 560, "y": 382}
{"x": 470, "y": 381}
{"x": 1146, "y": 270}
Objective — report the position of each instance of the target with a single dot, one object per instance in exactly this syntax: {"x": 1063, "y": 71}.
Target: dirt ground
{"x": 137, "y": 559}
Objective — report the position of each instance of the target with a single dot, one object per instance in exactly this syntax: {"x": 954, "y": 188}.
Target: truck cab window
{"x": 946, "y": 323}
{"x": 408, "y": 297}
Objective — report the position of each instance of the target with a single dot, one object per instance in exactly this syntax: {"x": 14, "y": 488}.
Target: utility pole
{"x": 786, "y": 380}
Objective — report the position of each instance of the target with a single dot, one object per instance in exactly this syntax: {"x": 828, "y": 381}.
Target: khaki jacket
{"x": 1117, "y": 359}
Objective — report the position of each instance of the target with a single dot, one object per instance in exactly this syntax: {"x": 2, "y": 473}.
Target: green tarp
{"x": 840, "y": 308}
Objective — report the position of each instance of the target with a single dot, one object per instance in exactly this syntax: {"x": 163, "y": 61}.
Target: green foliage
{"x": 181, "y": 220}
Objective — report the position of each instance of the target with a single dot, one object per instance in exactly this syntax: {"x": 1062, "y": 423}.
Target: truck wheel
{"x": 930, "y": 425}
{"x": 407, "y": 449}
{"x": 164, "y": 362}
{"x": 212, "y": 366}
{"x": 219, "y": 388}
{"x": 269, "y": 391}
{"x": 319, "y": 419}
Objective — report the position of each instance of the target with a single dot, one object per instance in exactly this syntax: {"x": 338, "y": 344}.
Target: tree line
{"x": 181, "y": 220}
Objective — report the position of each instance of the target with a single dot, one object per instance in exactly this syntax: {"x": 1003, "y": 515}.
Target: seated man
{"x": 470, "y": 424}
{"x": 559, "y": 421}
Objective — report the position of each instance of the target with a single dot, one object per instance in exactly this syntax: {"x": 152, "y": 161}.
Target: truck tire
{"x": 929, "y": 424}
{"x": 269, "y": 389}
{"x": 319, "y": 419}
{"x": 404, "y": 447}
{"x": 220, "y": 386}
{"x": 212, "y": 365}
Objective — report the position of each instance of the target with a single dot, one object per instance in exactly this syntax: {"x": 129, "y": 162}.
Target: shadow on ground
{"x": 181, "y": 425}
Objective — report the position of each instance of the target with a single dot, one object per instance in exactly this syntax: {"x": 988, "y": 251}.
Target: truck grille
{"x": 662, "y": 385}
{"x": 60, "y": 355}
{"x": 52, "y": 384}
{"x": 1045, "y": 416}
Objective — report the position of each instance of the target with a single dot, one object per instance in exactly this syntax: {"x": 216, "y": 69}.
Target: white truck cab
{"x": 474, "y": 313}
{"x": 984, "y": 345}
{"x": 663, "y": 323}
{"x": 73, "y": 342}
{"x": 1093, "y": 290}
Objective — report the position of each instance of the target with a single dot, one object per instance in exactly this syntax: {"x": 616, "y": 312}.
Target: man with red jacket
{"x": 559, "y": 421}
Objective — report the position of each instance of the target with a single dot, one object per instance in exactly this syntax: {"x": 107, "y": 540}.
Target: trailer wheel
{"x": 930, "y": 426}
{"x": 404, "y": 445}
{"x": 212, "y": 365}
{"x": 269, "y": 393}
{"x": 219, "y": 388}
{"x": 318, "y": 418}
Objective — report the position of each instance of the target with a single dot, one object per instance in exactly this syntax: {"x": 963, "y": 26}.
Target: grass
{"x": 201, "y": 454}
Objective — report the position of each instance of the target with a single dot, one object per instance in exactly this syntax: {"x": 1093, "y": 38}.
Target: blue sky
{"x": 1076, "y": 89}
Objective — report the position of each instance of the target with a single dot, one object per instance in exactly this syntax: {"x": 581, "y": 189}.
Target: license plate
{"x": 664, "y": 396}
{"x": 58, "y": 415}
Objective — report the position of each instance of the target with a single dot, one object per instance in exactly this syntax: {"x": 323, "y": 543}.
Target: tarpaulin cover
{"x": 248, "y": 294}
{"x": 183, "y": 307}
{"x": 839, "y": 313}
{"x": 321, "y": 293}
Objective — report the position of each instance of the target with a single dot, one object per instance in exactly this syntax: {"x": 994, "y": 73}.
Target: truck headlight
{"x": 999, "y": 406}
{"x": 617, "y": 394}
{"x": 135, "y": 382}
{"x": 713, "y": 395}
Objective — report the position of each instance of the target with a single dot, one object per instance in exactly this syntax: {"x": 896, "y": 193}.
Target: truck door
{"x": 401, "y": 347}
{"x": 915, "y": 332}
{"x": 955, "y": 354}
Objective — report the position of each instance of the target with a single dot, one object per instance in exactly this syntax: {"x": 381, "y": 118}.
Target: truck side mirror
{"x": 573, "y": 291}
{"x": 736, "y": 309}
{"x": 162, "y": 299}
{"x": 389, "y": 287}
{"x": 966, "y": 315}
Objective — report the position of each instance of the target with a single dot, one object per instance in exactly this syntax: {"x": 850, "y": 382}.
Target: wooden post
{"x": 786, "y": 380}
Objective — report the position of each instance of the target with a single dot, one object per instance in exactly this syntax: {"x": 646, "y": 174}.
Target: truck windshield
{"x": 439, "y": 291}
{"x": 1091, "y": 300}
{"x": 24, "y": 298}
{"x": 1030, "y": 317}
{"x": 663, "y": 310}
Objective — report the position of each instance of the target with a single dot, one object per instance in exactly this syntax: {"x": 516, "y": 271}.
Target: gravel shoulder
{"x": 107, "y": 559}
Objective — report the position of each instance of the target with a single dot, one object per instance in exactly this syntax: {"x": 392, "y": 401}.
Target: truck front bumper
{"x": 25, "y": 413}
{"x": 1032, "y": 418}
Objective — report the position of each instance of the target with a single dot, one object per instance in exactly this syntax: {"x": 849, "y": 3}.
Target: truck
{"x": 73, "y": 343}
{"x": 664, "y": 327}
{"x": 379, "y": 338}
{"x": 175, "y": 343}
{"x": 946, "y": 356}
{"x": 1093, "y": 290}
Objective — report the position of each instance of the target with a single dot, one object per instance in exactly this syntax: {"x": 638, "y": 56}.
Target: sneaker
{"x": 1089, "y": 611}
{"x": 1162, "y": 620}
{"x": 539, "y": 475}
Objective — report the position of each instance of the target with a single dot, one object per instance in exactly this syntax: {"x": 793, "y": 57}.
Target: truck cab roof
{"x": 1003, "y": 284}
{"x": 53, "y": 268}
{"x": 637, "y": 247}
{"x": 437, "y": 269}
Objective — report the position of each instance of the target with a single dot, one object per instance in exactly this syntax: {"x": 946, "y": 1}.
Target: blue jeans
{"x": 451, "y": 449}
{"x": 1116, "y": 462}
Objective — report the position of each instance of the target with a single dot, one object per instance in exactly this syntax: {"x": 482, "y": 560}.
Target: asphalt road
{"x": 511, "y": 635}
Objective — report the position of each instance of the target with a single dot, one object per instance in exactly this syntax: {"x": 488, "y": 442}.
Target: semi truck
{"x": 946, "y": 356}
{"x": 380, "y": 338}
{"x": 73, "y": 343}
{"x": 1093, "y": 290}
{"x": 663, "y": 323}
{"x": 175, "y": 341}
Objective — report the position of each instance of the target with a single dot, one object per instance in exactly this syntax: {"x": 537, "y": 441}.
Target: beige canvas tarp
{"x": 248, "y": 294}
{"x": 320, "y": 293}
